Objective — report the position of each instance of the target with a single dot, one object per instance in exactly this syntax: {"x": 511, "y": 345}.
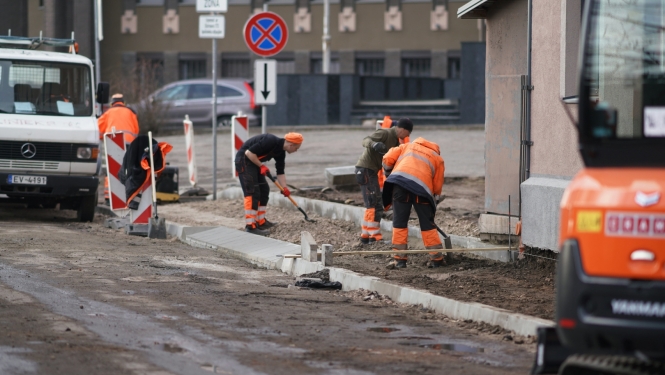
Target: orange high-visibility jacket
{"x": 416, "y": 167}
{"x": 121, "y": 118}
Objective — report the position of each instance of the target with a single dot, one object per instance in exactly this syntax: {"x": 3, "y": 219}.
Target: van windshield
{"x": 45, "y": 88}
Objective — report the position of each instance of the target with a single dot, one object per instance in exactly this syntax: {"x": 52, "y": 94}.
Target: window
{"x": 203, "y": 91}
{"x": 286, "y": 67}
{"x": 36, "y": 87}
{"x": 454, "y": 68}
{"x": 369, "y": 67}
{"x": 190, "y": 69}
{"x": 236, "y": 68}
{"x": 178, "y": 92}
{"x": 317, "y": 66}
{"x": 416, "y": 67}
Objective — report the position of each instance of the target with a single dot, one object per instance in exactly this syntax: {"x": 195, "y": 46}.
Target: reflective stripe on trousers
{"x": 250, "y": 214}
{"x": 370, "y": 228}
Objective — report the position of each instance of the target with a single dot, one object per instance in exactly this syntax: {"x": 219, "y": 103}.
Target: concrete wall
{"x": 554, "y": 155}
{"x": 506, "y": 62}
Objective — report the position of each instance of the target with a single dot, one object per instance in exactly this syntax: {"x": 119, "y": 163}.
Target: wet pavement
{"x": 81, "y": 299}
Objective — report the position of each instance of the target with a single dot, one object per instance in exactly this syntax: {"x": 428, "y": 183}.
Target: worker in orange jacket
{"x": 415, "y": 179}
{"x": 118, "y": 118}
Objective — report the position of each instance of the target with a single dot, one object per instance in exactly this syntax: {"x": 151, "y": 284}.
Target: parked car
{"x": 194, "y": 98}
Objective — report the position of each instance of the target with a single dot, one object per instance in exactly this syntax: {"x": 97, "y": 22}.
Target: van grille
{"x": 46, "y": 151}
{"x": 29, "y": 164}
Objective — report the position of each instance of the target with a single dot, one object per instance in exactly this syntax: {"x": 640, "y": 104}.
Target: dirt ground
{"x": 78, "y": 298}
{"x": 457, "y": 213}
{"x": 525, "y": 286}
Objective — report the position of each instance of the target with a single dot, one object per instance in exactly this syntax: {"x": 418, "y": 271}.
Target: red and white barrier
{"x": 143, "y": 214}
{"x": 114, "y": 144}
{"x": 189, "y": 142}
{"x": 239, "y": 135}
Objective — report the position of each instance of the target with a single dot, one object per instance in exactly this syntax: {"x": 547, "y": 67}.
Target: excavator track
{"x": 609, "y": 365}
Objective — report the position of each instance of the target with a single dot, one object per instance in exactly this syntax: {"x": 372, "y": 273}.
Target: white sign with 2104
{"x": 206, "y": 6}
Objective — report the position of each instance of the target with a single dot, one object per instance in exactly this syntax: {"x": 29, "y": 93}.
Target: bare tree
{"x": 136, "y": 86}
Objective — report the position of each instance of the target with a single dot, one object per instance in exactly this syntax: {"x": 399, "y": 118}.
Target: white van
{"x": 49, "y": 140}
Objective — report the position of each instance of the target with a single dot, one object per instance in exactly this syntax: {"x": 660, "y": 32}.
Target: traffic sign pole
{"x": 214, "y": 119}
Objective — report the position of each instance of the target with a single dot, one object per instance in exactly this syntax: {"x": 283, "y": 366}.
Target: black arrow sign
{"x": 265, "y": 91}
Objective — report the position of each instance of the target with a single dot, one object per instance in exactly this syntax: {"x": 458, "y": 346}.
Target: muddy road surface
{"x": 83, "y": 299}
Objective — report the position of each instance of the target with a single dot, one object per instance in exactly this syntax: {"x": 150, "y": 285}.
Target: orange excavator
{"x": 610, "y": 283}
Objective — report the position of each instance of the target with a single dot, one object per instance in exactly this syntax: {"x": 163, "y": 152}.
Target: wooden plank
{"x": 387, "y": 252}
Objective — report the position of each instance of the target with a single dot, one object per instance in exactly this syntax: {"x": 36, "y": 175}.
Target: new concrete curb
{"x": 355, "y": 215}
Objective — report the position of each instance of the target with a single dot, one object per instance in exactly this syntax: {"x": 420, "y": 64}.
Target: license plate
{"x": 27, "y": 180}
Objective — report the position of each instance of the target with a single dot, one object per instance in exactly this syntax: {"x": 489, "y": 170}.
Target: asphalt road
{"x": 83, "y": 299}
{"x": 463, "y": 151}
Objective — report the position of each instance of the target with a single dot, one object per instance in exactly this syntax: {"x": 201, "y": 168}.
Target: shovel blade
{"x": 157, "y": 228}
{"x": 448, "y": 243}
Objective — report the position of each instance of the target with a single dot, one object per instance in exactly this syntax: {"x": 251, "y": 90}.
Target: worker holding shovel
{"x": 252, "y": 175}
{"x": 415, "y": 179}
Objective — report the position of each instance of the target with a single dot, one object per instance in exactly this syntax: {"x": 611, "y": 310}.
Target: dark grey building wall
{"x": 14, "y": 16}
{"x": 84, "y": 27}
{"x": 472, "y": 102}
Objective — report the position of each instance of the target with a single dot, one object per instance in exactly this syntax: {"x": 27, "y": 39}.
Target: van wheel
{"x": 223, "y": 121}
{"x": 86, "y": 210}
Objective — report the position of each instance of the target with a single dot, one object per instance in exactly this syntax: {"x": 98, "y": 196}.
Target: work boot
{"x": 267, "y": 225}
{"x": 396, "y": 263}
{"x": 257, "y": 231}
{"x": 436, "y": 263}
{"x": 364, "y": 240}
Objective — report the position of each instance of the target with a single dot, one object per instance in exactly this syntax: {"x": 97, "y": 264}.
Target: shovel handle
{"x": 281, "y": 188}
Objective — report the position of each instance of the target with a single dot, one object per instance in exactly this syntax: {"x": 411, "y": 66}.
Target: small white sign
{"x": 211, "y": 27}
{"x": 654, "y": 121}
{"x": 265, "y": 82}
{"x": 207, "y": 6}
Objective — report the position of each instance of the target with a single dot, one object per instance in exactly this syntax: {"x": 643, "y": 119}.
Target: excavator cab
{"x": 610, "y": 287}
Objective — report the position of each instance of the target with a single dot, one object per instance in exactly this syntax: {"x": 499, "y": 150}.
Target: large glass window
{"x": 416, "y": 67}
{"x": 45, "y": 88}
{"x": 236, "y": 68}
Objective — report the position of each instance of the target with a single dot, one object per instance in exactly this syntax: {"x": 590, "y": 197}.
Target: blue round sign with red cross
{"x": 266, "y": 33}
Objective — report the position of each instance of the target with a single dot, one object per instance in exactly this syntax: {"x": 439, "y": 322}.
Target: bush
{"x": 136, "y": 86}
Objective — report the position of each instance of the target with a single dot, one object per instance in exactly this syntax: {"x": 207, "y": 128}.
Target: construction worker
{"x": 118, "y": 118}
{"x": 367, "y": 168}
{"x": 415, "y": 179}
{"x": 252, "y": 175}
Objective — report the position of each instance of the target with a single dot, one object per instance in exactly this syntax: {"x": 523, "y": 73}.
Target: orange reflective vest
{"x": 121, "y": 118}
{"x": 416, "y": 167}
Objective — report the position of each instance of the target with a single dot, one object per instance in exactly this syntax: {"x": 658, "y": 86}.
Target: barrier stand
{"x": 239, "y": 135}
{"x": 194, "y": 190}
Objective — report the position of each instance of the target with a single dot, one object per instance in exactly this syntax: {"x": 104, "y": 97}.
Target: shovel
{"x": 291, "y": 199}
{"x": 446, "y": 238}
{"x": 156, "y": 225}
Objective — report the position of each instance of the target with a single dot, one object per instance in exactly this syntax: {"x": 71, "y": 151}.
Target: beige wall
{"x": 554, "y": 152}
{"x": 369, "y": 35}
{"x": 35, "y": 18}
{"x": 506, "y": 62}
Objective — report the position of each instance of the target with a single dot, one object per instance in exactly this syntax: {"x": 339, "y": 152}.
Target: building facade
{"x": 394, "y": 38}
{"x": 531, "y": 144}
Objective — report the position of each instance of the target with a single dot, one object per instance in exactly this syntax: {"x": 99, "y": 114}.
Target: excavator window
{"x": 622, "y": 85}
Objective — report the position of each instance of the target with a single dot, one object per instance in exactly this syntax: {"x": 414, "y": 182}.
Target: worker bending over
{"x": 252, "y": 174}
{"x": 367, "y": 168}
{"x": 415, "y": 178}
{"x": 121, "y": 119}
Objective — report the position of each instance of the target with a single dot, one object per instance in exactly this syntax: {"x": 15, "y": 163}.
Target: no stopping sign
{"x": 266, "y": 33}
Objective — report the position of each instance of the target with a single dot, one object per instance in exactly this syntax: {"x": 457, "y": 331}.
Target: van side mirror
{"x": 103, "y": 89}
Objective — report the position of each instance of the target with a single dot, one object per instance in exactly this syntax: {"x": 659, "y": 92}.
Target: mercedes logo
{"x": 28, "y": 150}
